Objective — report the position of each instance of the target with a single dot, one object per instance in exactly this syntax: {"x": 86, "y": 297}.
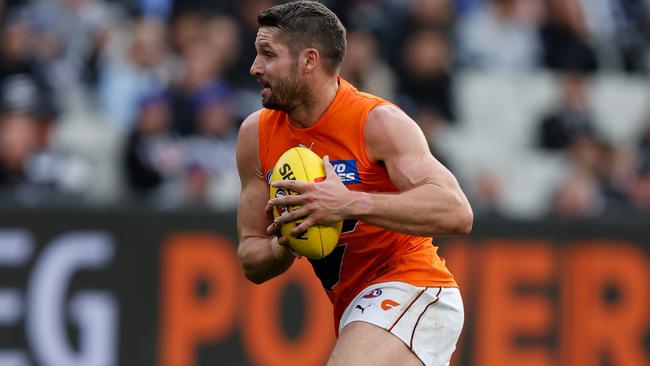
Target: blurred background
{"x": 118, "y": 122}
{"x": 540, "y": 107}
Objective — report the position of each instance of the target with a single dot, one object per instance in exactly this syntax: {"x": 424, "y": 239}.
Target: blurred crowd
{"x": 170, "y": 80}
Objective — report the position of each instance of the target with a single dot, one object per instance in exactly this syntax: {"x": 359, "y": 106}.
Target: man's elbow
{"x": 250, "y": 268}
{"x": 252, "y": 273}
{"x": 458, "y": 221}
{"x": 464, "y": 220}
{"x": 254, "y": 277}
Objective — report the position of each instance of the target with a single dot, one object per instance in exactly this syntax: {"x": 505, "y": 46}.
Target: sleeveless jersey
{"x": 365, "y": 254}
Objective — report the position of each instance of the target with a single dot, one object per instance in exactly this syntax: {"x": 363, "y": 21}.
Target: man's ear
{"x": 309, "y": 60}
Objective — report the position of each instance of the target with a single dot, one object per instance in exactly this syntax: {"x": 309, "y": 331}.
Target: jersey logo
{"x": 388, "y": 304}
{"x": 362, "y": 308}
{"x": 282, "y": 209}
{"x": 347, "y": 171}
{"x": 268, "y": 176}
{"x": 374, "y": 293}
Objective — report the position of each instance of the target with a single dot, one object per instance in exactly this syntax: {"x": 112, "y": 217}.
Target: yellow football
{"x": 303, "y": 165}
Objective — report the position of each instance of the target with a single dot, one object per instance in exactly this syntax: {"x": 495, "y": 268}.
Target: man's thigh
{"x": 427, "y": 321}
{"x": 362, "y": 344}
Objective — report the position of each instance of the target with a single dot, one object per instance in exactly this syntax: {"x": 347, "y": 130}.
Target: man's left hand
{"x": 322, "y": 203}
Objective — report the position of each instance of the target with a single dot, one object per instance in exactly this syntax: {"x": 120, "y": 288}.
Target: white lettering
{"x": 13, "y": 358}
{"x": 11, "y": 306}
{"x": 94, "y": 313}
{"x": 16, "y": 248}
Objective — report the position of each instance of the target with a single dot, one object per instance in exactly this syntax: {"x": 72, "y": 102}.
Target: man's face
{"x": 276, "y": 70}
{"x": 18, "y": 139}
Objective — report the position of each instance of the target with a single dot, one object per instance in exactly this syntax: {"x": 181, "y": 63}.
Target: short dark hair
{"x": 308, "y": 24}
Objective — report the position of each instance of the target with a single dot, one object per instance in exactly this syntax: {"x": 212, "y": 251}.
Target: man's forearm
{"x": 263, "y": 258}
{"x": 425, "y": 211}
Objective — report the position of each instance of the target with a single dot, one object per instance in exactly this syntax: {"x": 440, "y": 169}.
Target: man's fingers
{"x": 301, "y": 228}
{"x": 291, "y": 200}
{"x": 291, "y": 185}
{"x": 268, "y": 210}
{"x": 329, "y": 168}
{"x": 286, "y": 218}
{"x": 284, "y": 241}
{"x": 273, "y": 229}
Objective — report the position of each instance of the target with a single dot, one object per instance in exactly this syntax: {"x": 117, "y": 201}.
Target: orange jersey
{"x": 365, "y": 254}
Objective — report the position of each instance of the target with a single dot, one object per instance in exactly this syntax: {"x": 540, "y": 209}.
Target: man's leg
{"x": 364, "y": 344}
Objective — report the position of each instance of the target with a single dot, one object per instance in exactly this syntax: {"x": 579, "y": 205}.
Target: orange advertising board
{"x": 153, "y": 288}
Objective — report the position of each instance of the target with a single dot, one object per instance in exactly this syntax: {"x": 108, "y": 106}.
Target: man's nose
{"x": 256, "y": 67}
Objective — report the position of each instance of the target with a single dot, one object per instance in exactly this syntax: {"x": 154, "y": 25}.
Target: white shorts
{"x": 427, "y": 319}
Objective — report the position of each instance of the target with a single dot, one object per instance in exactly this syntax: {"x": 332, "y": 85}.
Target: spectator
{"x": 618, "y": 171}
{"x": 565, "y": 39}
{"x": 433, "y": 14}
{"x": 222, "y": 35}
{"x": 425, "y": 81}
{"x": 160, "y": 9}
{"x": 486, "y": 193}
{"x": 15, "y": 40}
{"x": 32, "y": 169}
{"x": 644, "y": 147}
{"x": 381, "y": 18}
{"x": 617, "y": 27}
{"x": 432, "y": 126}
{"x": 592, "y": 187}
{"x": 154, "y": 157}
{"x": 639, "y": 193}
{"x": 186, "y": 30}
{"x": 578, "y": 196}
{"x": 247, "y": 14}
{"x": 128, "y": 75}
{"x": 209, "y": 7}
{"x": 401, "y": 22}
{"x": 200, "y": 72}
{"x": 72, "y": 35}
{"x": 16, "y": 58}
{"x": 212, "y": 175}
{"x": 587, "y": 154}
{"x": 462, "y": 7}
{"x": 571, "y": 120}
{"x": 18, "y": 141}
{"x": 363, "y": 67}
{"x": 501, "y": 35}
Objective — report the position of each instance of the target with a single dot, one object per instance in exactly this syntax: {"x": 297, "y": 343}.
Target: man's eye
{"x": 268, "y": 54}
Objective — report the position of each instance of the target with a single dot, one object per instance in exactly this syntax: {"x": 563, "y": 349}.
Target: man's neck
{"x": 323, "y": 91}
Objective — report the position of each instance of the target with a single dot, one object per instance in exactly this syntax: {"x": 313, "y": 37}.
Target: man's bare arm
{"x": 430, "y": 199}
{"x": 429, "y": 202}
{"x": 259, "y": 253}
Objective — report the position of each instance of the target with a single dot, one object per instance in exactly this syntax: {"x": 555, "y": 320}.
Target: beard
{"x": 287, "y": 93}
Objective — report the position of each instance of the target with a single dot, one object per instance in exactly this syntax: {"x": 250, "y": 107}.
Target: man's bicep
{"x": 395, "y": 140}
{"x": 251, "y": 218}
{"x": 248, "y": 161}
{"x": 415, "y": 170}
